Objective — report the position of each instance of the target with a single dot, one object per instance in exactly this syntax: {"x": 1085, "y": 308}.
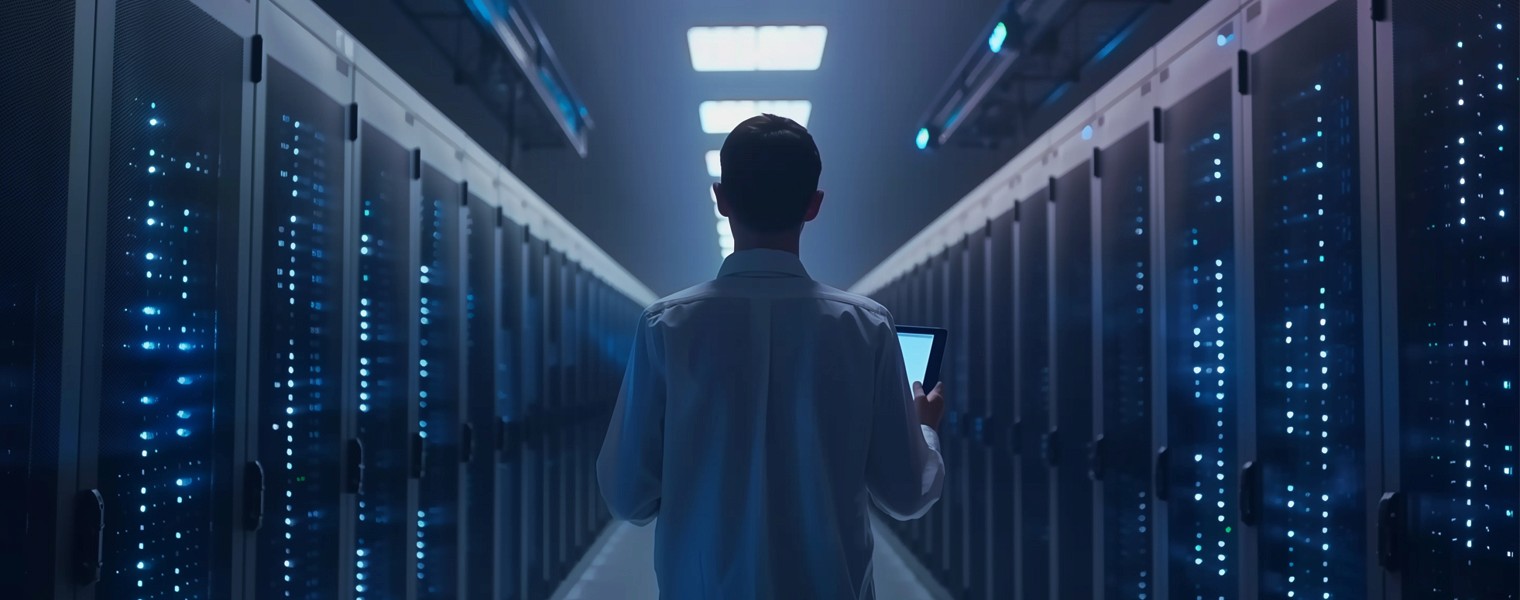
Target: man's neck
{"x": 790, "y": 241}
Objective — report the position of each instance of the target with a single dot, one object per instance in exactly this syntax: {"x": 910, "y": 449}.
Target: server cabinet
{"x": 158, "y": 427}
{"x": 1121, "y": 449}
{"x": 950, "y": 511}
{"x": 1305, "y": 491}
{"x": 439, "y": 370}
{"x": 299, "y": 330}
{"x": 1198, "y": 480}
{"x": 389, "y": 188}
{"x": 554, "y": 386}
{"x": 1032, "y": 399}
{"x": 535, "y": 578}
{"x": 510, "y": 346}
{"x": 1071, "y": 389}
{"x": 1001, "y": 411}
{"x": 45, "y": 84}
{"x": 478, "y": 446}
{"x": 977, "y": 375}
{"x": 1453, "y": 176}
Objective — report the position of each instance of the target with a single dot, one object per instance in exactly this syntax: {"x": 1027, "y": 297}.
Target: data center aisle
{"x": 620, "y": 568}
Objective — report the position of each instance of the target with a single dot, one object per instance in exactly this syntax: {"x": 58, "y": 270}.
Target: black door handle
{"x": 419, "y": 456}
{"x": 355, "y": 466}
{"x": 1096, "y": 457}
{"x": 253, "y": 496}
{"x": 1250, "y": 493}
{"x": 89, "y": 534}
{"x": 1163, "y": 474}
{"x": 1391, "y": 510}
{"x": 466, "y": 442}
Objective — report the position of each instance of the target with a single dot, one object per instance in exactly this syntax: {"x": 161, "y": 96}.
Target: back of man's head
{"x": 770, "y": 173}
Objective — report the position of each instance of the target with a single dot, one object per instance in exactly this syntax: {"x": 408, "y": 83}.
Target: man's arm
{"x": 630, "y": 465}
{"x": 904, "y": 470}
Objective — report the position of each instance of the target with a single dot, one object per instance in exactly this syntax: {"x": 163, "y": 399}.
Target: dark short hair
{"x": 770, "y": 172}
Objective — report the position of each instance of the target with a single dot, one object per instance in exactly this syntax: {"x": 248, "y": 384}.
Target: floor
{"x": 618, "y": 568}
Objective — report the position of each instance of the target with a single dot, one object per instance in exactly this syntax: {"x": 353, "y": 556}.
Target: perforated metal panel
{"x": 481, "y": 329}
{"x": 1200, "y": 220}
{"x": 169, "y": 285}
{"x": 1032, "y": 381}
{"x": 1309, "y": 355}
{"x": 301, "y": 346}
{"x": 439, "y": 388}
{"x": 385, "y": 316}
{"x": 1456, "y": 135}
{"x": 36, "y": 37}
{"x": 1072, "y": 398}
{"x": 1128, "y": 504}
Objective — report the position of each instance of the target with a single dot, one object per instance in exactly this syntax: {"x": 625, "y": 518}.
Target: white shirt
{"x": 758, "y": 413}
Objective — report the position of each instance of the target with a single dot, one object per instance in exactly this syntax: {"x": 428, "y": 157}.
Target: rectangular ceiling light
{"x": 714, "y": 164}
{"x": 769, "y": 48}
{"x": 722, "y": 116}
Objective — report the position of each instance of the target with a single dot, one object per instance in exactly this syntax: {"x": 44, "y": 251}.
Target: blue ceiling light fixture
{"x": 999, "y": 35}
{"x": 923, "y": 138}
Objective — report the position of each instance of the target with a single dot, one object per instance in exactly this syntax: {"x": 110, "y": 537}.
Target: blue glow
{"x": 998, "y": 37}
{"x": 923, "y": 138}
{"x": 1087, "y": 132}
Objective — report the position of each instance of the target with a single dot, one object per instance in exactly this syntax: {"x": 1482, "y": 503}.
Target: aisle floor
{"x": 620, "y": 569}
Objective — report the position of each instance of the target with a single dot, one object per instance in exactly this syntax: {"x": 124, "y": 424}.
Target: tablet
{"x": 922, "y": 349}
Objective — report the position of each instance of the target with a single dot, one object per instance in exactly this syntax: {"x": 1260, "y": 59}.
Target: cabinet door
{"x": 1071, "y": 400}
{"x": 1201, "y": 384}
{"x": 439, "y": 385}
{"x": 300, "y": 223}
{"x": 1310, "y": 361}
{"x": 161, "y": 401}
{"x": 1454, "y": 139}
{"x": 1033, "y": 397}
{"x": 37, "y": 202}
{"x": 1127, "y": 274}
{"x": 384, "y": 561}
{"x": 481, "y": 330}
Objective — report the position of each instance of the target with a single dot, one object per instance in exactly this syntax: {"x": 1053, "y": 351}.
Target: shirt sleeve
{"x": 629, "y": 468}
{"x": 904, "y": 470}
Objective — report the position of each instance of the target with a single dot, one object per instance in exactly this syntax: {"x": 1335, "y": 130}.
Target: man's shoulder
{"x": 709, "y": 290}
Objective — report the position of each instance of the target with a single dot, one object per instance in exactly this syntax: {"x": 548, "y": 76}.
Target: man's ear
{"x": 813, "y": 205}
{"x": 721, "y": 199}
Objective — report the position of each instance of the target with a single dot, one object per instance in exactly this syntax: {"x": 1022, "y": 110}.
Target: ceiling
{"x": 642, "y": 191}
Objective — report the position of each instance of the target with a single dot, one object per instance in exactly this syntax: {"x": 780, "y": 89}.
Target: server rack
{"x": 300, "y": 287}
{"x": 949, "y": 513}
{"x": 1125, "y": 289}
{"x": 47, "y": 85}
{"x": 1001, "y": 413}
{"x": 479, "y": 444}
{"x": 535, "y": 578}
{"x": 1447, "y": 95}
{"x": 390, "y": 191}
{"x": 975, "y": 376}
{"x": 1071, "y": 380}
{"x": 161, "y": 454}
{"x": 1032, "y": 396}
{"x": 512, "y": 346}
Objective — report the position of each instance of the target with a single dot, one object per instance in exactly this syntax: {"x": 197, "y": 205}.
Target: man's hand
{"x": 931, "y": 406}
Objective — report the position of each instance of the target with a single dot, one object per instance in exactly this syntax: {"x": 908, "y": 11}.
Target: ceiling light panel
{"x": 747, "y": 48}
{"x": 714, "y": 163}
{"x": 722, "y": 116}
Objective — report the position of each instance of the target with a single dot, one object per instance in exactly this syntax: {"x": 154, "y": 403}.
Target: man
{"x": 760, "y": 410}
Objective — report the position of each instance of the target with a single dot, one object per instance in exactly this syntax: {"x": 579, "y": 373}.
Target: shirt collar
{"x": 763, "y": 262}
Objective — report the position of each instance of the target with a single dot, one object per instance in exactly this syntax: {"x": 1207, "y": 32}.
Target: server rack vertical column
{"x": 389, "y": 189}
{"x": 510, "y": 347}
{"x": 977, "y": 379}
{"x": 47, "y": 84}
{"x": 1126, "y": 278}
{"x": 162, "y": 382}
{"x": 534, "y": 580}
{"x": 1304, "y": 493}
{"x": 299, "y": 331}
{"x": 1197, "y": 476}
{"x": 1001, "y": 411}
{"x": 1071, "y": 389}
{"x": 1032, "y": 397}
{"x": 1447, "y": 149}
{"x": 479, "y": 446}
{"x": 439, "y": 371}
